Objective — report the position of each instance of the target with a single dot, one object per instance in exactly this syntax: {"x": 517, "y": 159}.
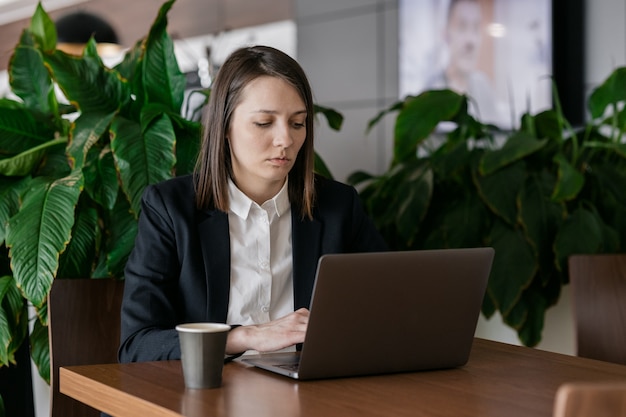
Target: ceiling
{"x": 132, "y": 18}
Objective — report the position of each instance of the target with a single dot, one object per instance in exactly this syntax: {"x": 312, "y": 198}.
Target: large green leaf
{"x": 488, "y": 307}
{"x": 78, "y": 258}
{"x": 163, "y": 81}
{"x": 373, "y": 195}
{"x": 122, "y": 232}
{"x": 611, "y": 177}
{"x": 142, "y": 159}
{"x": 420, "y": 116}
{"x": 539, "y": 215}
{"x": 620, "y": 149}
{"x": 518, "y": 314}
{"x": 518, "y": 146}
{"x": 569, "y": 181}
{"x": 397, "y": 106}
{"x": 583, "y": 232}
{"x": 86, "y": 131}
{"x": 13, "y": 320}
{"x": 20, "y": 131}
{"x": 499, "y": 191}
{"x": 40, "y": 231}
{"x": 10, "y": 190}
{"x": 333, "y": 117}
{"x": 129, "y": 65}
{"x": 25, "y": 162}
{"x": 39, "y": 350}
{"x": 611, "y": 91}
{"x": 131, "y": 69}
{"x": 452, "y": 159}
{"x": 602, "y": 142}
{"x": 548, "y": 125}
{"x": 528, "y": 315}
{"x": 514, "y": 266}
{"x": 30, "y": 79}
{"x": 385, "y": 194}
{"x": 54, "y": 163}
{"x": 413, "y": 201}
{"x": 359, "y": 177}
{"x": 614, "y": 213}
{"x": 9, "y": 103}
{"x": 86, "y": 82}
{"x": 101, "y": 181}
{"x": 458, "y": 222}
{"x": 43, "y": 29}
{"x": 188, "y": 136}
{"x": 617, "y": 120}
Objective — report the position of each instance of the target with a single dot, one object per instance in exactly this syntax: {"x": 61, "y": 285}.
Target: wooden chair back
{"x": 598, "y": 286}
{"x": 84, "y": 328}
{"x": 591, "y": 399}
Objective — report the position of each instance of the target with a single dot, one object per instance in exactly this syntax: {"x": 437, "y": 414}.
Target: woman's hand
{"x": 274, "y": 335}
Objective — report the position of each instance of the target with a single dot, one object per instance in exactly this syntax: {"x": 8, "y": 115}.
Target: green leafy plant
{"x": 537, "y": 194}
{"x": 72, "y": 175}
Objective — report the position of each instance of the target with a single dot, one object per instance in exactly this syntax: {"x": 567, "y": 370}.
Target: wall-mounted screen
{"x": 498, "y": 52}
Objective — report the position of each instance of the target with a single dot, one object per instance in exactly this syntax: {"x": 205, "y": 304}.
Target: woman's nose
{"x": 282, "y": 136}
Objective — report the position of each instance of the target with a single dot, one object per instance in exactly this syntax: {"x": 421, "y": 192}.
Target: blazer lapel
{"x": 215, "y": 242}
{"x": 306, "y": 252}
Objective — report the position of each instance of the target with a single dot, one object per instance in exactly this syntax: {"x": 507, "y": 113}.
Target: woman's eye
{"x": 262, "y": 124}
{"x": 298, "y": 125}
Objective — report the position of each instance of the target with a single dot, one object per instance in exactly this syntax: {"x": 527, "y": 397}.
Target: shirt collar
{"x": 240, "y": 204}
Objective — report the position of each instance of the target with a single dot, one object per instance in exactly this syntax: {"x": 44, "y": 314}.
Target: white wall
{"x": 349, "y": 50}
{"x": 605, "y": 39}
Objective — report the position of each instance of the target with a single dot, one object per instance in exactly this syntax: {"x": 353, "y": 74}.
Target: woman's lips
{"x": 280, "y": 161}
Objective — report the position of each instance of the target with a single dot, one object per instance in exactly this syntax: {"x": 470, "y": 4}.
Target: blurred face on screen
{"x": 463, "y": 35}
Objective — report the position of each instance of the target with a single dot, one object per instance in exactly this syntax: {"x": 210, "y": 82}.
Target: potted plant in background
{"x": 72, "y": 175}
{"x": 547, "y": 191}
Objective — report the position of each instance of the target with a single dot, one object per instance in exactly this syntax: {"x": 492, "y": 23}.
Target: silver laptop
{"x": 387, "y": 312}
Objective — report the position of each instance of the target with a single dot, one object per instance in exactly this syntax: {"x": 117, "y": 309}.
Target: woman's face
{"x": 267, "y": 129}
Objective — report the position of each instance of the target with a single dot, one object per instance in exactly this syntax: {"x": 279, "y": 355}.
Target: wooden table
{"x": 499, "y": 380}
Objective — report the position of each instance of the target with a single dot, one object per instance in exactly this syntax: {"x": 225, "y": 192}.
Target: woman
{"x": 238, "y": 242}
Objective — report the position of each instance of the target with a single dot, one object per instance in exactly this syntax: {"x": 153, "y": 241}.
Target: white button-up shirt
{"x": 261, "y": 264}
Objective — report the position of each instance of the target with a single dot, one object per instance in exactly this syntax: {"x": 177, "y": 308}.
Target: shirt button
{"x": 265, "y": 309}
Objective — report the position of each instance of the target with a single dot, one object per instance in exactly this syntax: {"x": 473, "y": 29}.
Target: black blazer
{"x": 179, "y": 270}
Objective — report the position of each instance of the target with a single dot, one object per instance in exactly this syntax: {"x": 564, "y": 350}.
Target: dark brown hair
{"x": 214, "y": 166}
